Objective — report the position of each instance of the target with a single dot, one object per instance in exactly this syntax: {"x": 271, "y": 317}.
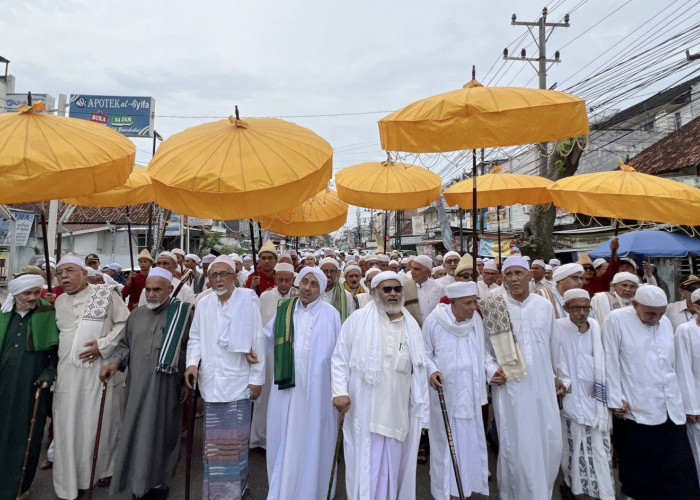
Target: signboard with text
{"x": 130, "y": 116}
{"x": 25, "y": 223}
{"x": 14, "y": 101}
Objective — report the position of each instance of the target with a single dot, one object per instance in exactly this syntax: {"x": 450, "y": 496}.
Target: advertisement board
{"x": 25, "y": 223}
{"x": 13, "y": 101}
{"x": 130, "y": 116}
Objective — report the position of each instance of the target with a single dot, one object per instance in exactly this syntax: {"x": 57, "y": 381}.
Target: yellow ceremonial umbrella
{"x": 628, "y": 194}
{"x": 388, "y": 185}
{"x": 136, "y": 191}
{"x": 322, "y": 214}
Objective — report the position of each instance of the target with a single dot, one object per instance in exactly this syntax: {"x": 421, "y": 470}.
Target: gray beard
{"x": 382, "y": 306}
{"x": 154, "y": 305}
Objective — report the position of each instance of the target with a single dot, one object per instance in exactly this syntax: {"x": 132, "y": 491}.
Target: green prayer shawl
{"x": 176, "y": 320}
{"x": 340, "y": 301}
{"x": 42, "y": 332}
{"x": 284, "y": 343}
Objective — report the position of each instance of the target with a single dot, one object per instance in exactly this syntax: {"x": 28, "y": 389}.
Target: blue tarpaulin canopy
{"x": 649, "y": 243}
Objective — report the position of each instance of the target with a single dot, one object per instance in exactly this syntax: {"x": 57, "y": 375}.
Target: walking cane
{"x": 37, "y": 396}
{"x": 88, "y": 493}
{"x": 448, "y": 430}
{"x": 338, "y": 442}
{"x": 190, "y": 439}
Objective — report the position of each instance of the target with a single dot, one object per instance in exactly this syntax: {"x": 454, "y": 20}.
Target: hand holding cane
{"x": 448, "y": 430}
{"x": 35, "y": 411}
{"x": 338, "y": 443}
{"x": 88, "y": 493}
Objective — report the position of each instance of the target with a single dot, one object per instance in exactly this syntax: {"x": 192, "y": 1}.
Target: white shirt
{"x": 186, "y": 293}
{"x": 448, "y": 279}
{"x": 678, "y": 313}
{"x": 484, "y": 290}
{"x": 327, "y": 296}
{"x": 429, "y": 294}
{"x": 640, "y": 364}
{"x": 224, "y": 376}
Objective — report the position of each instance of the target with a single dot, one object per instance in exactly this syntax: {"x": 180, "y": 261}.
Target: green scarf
{"x": 340, "y": 301}
{"x": 177, "y": 318}
{"x": 284, "y": 343}
{"x": 42, "y": 332}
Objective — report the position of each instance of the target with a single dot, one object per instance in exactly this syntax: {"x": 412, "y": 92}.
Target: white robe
{"x": 687, "y": 343}
{"x": 302, "y": 423}
{"x": 429, "y": 294}
{"x": 357, "y": 438}
{"x": 327, "y": 297}
{"x": 526, "y": 411}
{"x": 602, "y": 307}
{"x": 460, "y": 360}
{"x": 678, "y": 313}
{"x": 77, "y": 396}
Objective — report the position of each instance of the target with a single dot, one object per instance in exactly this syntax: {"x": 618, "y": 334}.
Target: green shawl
{"x": 42, "y": 332}
{"x": 284, "y": 343}
{"x": 177, "y": 318}
{"x": 340, "y": 301}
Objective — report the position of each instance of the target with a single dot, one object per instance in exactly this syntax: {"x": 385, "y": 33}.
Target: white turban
{"x": 599, "y": 262}
{"x": 538, "y": 262}
{"x": 491, "y": 266}
{"x": 161, "y": 272}
{"x": 169, "y": 255}
{"x": 71, "y": 260}
{"x": 513, "y": 261}
{"x": 194, "y": 257}
{"x": 371, "y": 272}
{"x": 385, "y": 276}
{"x": 563, "y": 272}
{"x": 178, "y": 251}
{"x": 576, "y": 293}
{"x": 208, "y": 259}
{"x": 382, "y": 257}
{"x": 554, "y": 262}
{"x": 461, "y": 289}
{"x": 547, "y": 267}
{"x": 353, "y": 267}
{"x": 650, "y": 295}
{"x": 394, "y": 262}
{"x": 225, "y": 259}
{"x": 437, "y": 269}
{"x": 320, "y": 276}
{"x": 329, "y": 260}
{"x": 236, "y": 258}
{"x": 424, "y": 260}
{"x": 625, "y": 276}
{"x": 452, "y": 253}
{"x": 19, "y": 285}
{"x": 284, "y": 267}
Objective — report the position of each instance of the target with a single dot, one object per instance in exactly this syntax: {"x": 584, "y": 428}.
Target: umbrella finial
{"x": 237, "y": 120}
{"x": 626, "y": 168}
{"x": 238, "y": 117}
{"x": 29, "y": 98}
{"x": 388, "y": 161}
{"x": 473, "y": 72}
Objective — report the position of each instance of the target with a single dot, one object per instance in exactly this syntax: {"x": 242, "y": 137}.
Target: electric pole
{"x": 541, "y": 40}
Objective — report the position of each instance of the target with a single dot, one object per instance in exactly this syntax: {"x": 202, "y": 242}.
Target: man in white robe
{"x": 284, "y": 289}
{"x": 565, "y": 278}
{"x": 487, "y": 284}
{"x": 182, "y": 291}
{"x": 449, "y": 263}
{"x": 624, "y": 286}
{"x": 579, "y": 361}
{"x": 226, "y": 357}
{"x": 380, "y": 384}
{"x": 90, "y": 319}
{"x": 454, "y": 343}
{"x": 644, "y": 394}
{"x": 301, "y": 422}
{"x": 682, "y": 311}
{"x": 525, "y": 407}
{"x": 687, "y": 343}
{"x": 538, "y": 279}
{"x": 335, "y": 293}
{"x": 422, "y": 292}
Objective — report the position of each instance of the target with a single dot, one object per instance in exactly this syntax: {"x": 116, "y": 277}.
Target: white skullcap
{"x": 208, "y": 259}
{"x": 547, "y": 267}
{"x": 19, "y": 285}
{"x": 178, "y": 251}
{"x": 329, "y": 260}
{"x": 161, "y": 272}
{"x": 236, "y": 257}
{"x": 538, "y": 262}
{"x": 394, "y": 263}
{"x": 576, "y": 293}
{"x": 599, "y": 262}
{"x": 52, "y": 263}
{"x": 461, "y": 289}
{"x": 194, "y": 257}
{"x": 513, "y": 261}
{"x": 425, "y": 261}
{"x": 320, "y": 276}
{"x": 370, "y": 272}
{"x": 490, "y": 265}
{"x": 114, "y": 266}
{"x": 565, "y": 271}
{"x": 71, "y": 260}
{"x": 247, "y": 257}
{"x": 452, "y": 253}
{"x": 225, "y": 259}
{"x": 479, "y": 259}
{"x": 625, "y": 276}
{"x": 695, "y": 296}
{"x": 650, "y": 295}
{"x": 353, "y": 267}
{"x": 404, "y": 260}
{"x": 411, "y": 258}
{"x": 350, "y": 262}
{"x": 382, "y": 257}
{"x": 439, "y": 258}
{"x": 169, "y": 255}
{"x": 385, "y": 276}
{"x": 629, "y": 261}
{"x": 92, "y": 273}
{"x": 554, "y": 262}
{"x": 436, "y": 269}
{"x": 284, "y": 267}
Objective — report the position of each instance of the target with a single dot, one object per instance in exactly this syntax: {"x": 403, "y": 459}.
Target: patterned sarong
{"x": 226, "y": 436}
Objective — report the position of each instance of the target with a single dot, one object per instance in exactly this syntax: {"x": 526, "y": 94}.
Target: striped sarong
{"x": 226, "y": 436}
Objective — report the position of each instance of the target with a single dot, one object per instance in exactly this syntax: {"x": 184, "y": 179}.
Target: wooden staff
{"x": 190, "y": 438}
{"x": 37, "y": 396}
{"x": 451, "y": 443}
{"x": 338, "y": 442}
{"x": 88, "y": 493}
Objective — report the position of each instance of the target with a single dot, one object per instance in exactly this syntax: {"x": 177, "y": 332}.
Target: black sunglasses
{"x": 388, "y": 289}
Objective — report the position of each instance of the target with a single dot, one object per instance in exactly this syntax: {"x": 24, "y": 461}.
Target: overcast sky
{"x": 296, "y": 58}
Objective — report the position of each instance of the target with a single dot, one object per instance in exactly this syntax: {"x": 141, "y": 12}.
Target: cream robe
{"x": 526, "y": 411}
{"x": 76, "y": 403}
{"x": 687, "y": 342}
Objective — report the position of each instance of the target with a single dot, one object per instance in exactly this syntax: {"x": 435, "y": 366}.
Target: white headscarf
{"x": 322, "y": 280}
{"x": 19, "y": 285}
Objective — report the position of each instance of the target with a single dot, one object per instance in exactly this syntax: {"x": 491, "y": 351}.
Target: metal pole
{"x": 498, "y": 221}
{"x": 252, "y": 246}
{"x": 475, "y": 238}
{"x": 46, "y": 250}
{"x": 131, "y": 247}
{"x": 386, "y": 230}
{"x": 461, "y": 232}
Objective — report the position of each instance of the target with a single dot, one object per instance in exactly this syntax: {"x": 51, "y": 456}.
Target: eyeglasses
{"x": 222, "y": 275}
{"x": 452, "y": 261}
{"x": 585, "y": 309}
{"x": 388, "y": 289}
{"x": 588, "y": 268}
{"x": 465, "y": 275}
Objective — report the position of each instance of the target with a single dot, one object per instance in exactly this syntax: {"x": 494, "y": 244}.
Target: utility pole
{"x": 541, "y": 41}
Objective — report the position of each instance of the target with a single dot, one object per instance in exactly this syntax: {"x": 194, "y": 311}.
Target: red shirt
{"x": 56, "y": 290}
{"x": 133, "y": 291}
{"x": 602, "y": 283}
{"x": 266, "y": 282}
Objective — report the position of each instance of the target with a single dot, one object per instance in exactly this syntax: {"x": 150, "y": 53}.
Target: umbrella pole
{"x": 617, "y": 226}
{"x": 475, "y": 240}
{"x": 252, "y": 246}
{"x": 46, "y": 250}
{"x": 131, "y": 248}
{"x": 386, "y": 229}
{"x": 498, "y": 222}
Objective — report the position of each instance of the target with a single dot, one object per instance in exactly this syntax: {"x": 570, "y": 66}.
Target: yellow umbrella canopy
{"x": 240, "y": 169}
{"x": 628, "y": 194}
{"x": 45, "y": 157}
{"x": 500, "y": 189}
{"x": 388, "y": 185}
{"x": 483, "y": 117}
{"x": 322, "y": 214}
{"x": 137, "y": 190}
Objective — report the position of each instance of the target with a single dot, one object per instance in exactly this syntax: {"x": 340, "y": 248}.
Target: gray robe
{"x": 148, "y": 448}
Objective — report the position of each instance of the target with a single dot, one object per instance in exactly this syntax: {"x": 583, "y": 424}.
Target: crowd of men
{"x": 577, "y": 364}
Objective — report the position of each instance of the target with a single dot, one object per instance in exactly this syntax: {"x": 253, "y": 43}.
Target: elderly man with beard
{"x": 28, "y": 340}
{"x": 335, "y": 293}
{"x": 624, "y": 286}
{"x": 454, "y": 343}
{"x": 352, "y": 278}
{"x": 91, "y": 319}
{"x": 284, "y": 289}
{"x": 181, "y": 290}
{"x": 643, "y": 391}
{"x": 152, "y": 348}
{"x": 226, "y": 355}
{"x": 565, "y": 278}
{"x": 579, "y": 361}
{"x": 301, "y": 423}
{"x": 380, "y": 383}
